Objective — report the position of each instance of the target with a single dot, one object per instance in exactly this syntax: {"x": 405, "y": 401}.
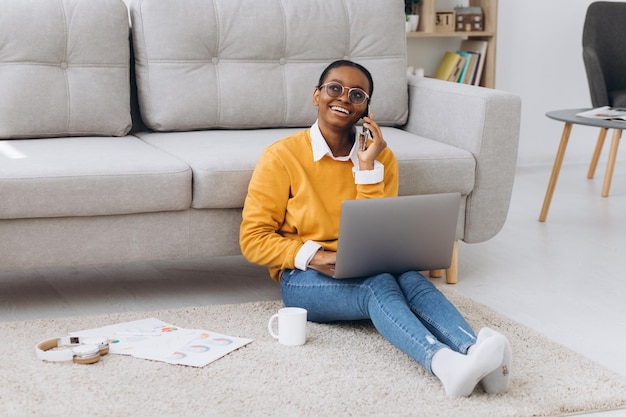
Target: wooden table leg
{"x": 555, "y": 171}
{"x": 596, "y": 152}
{"x": 617, "y": 134}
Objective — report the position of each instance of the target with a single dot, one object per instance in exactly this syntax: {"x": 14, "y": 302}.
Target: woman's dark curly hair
{"x": 347, "y": 63}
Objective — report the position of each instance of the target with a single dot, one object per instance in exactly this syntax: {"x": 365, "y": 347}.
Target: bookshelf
{"x": 426, "y": 33}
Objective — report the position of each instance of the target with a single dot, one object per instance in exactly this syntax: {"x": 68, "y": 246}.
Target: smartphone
{"x": 366, "y": 132}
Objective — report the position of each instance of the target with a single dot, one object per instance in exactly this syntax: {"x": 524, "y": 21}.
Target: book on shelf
{"x": 480, "y": 49}
{"x": 460, "y": 66}
{"x": 447, "y": 66}
{"x": 605, "y": 113}
{"x": 471, "y": 75}
{"x": 467, "y": 68}
{"x": 451, "y": 67}
{"x": 458, "y": 69}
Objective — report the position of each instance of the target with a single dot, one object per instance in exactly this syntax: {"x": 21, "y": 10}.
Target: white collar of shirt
{"x": 321, "y": 149}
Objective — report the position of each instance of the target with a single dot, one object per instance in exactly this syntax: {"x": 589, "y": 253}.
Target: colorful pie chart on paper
{"x": 168, "y": 329}
{"x": 221, "y": 342}
{"x": 178, "y": 356}
{"x": 197, "y": 348}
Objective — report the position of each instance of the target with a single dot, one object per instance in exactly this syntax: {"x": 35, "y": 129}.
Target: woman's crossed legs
{"x": 408, "y": 311}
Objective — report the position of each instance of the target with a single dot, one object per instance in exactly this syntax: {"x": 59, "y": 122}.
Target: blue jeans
{"x": 407, "y": 310}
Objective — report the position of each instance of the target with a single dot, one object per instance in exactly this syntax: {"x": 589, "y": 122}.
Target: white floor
{"x": 563, "y": 277}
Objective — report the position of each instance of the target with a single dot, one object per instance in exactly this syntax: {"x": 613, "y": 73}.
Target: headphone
{"x": 83, "y": 350}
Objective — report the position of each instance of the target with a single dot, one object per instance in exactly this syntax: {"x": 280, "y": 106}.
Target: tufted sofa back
{"x": 203, "y": 64}
{"x": 64, "y": 68}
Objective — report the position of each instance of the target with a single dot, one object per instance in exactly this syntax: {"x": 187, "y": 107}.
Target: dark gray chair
{"x": 604, "y": 56}
{"x": 604, "y": 53}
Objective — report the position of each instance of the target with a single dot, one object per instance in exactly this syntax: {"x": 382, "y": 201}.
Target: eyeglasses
{"x": 335, "y": 90}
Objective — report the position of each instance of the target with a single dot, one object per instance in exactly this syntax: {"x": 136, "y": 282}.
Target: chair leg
{"x": 452, "y": 273}
{"x": 617, "y": 134}
{"x": 596, "y": 152}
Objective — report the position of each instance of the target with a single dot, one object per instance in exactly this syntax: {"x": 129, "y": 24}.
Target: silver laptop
{"x": 395, "y": 235}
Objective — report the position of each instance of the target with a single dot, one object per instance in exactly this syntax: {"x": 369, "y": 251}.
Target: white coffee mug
{"x": 291, "y": 326}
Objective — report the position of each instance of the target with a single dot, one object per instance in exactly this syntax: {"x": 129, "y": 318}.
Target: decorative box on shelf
{"x": 444, "y": 21}
{"x": 469, "y": 19}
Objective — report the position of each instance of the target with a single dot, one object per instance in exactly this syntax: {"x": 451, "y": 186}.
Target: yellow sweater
{"x": 292, "y": 199}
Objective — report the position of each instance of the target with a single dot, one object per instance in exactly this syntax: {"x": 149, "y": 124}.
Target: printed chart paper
{"x": 156, "y": 340}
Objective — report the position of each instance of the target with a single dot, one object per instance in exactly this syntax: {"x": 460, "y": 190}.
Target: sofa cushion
{"x": 224, "y": 63}
{"x": 89, "y": 176}
{"x": 64, "y": 68}
{"x": 223, "y": 160}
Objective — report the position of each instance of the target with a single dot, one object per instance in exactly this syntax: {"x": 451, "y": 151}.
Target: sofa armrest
{"x": 482, "y": 121}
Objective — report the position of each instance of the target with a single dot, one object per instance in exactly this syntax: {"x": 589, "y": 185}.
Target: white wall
{"x": 539, "y": 57}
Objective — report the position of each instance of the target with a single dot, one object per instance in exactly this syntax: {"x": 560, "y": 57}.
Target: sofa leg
{"x": 452, "y": 273}
{"x": 436, "y": 273}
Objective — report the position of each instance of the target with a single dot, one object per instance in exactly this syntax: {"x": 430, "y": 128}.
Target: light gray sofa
{"x": 85, "y": 180}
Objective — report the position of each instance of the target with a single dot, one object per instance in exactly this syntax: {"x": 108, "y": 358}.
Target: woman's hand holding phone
{"x": 366, "y": 135}
{"x": 368, "y": 154}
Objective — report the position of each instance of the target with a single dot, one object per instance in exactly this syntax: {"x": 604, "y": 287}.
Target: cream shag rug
{"x": 344, "y": 369}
